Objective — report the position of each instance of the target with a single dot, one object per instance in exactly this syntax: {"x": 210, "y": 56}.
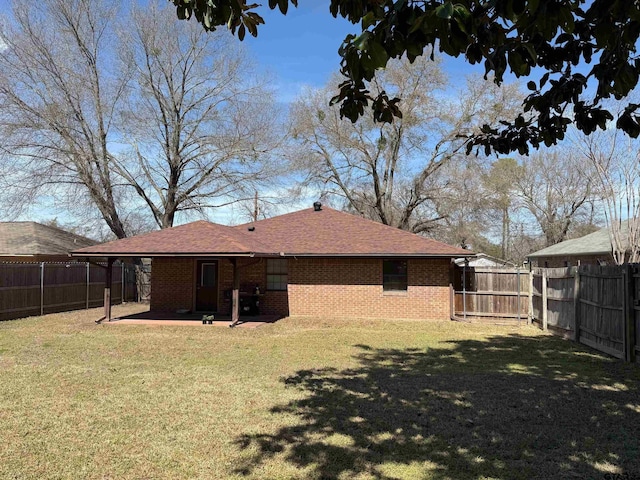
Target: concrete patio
{"x": 190, "y": 319}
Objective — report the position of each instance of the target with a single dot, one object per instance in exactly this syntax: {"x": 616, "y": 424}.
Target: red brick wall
{"x": 349, "y": 287}
{"x": 353, "y": 288}
{"x": 252, "y": 272}
{"x": 172, "y": 284}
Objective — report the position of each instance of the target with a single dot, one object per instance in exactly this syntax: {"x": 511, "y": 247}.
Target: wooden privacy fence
{"x": 39, "y": 288}
{"x": 490, "y": 294}
{"x": 598, "y": 306}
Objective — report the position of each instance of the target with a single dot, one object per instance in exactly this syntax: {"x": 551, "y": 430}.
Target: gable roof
{"x": 596, "y": 243}
{"x": 307, "y": 232}
{"x": 32, "y": 238}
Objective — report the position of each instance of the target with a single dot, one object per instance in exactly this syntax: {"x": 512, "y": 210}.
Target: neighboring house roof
{"x": 596, "y": 243}
{"x": 31, "y": 238}
{"x": 307, "y": 232}
{"x": 484, "y": 260}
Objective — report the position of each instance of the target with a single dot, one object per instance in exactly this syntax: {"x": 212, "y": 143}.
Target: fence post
{"x": 88, "y": 277}
{"x": 530, "y": 319}
{"x": 107, "y": 289}
{"x": 452, "y": 300}
{"x": 122, "y": 282}
{"x": 518, "y": 296}
{"x": 137, "y": 269}
{"x": 544, "y": 299}
{"x": 576, "y": 305}
{"x": 464, "y": 289}
{"x": 41, "y": 288}
{"x": 629, "y": 315}
{"x": 633, "y": 334}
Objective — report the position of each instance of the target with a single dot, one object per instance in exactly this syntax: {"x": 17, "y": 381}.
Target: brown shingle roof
{"x": 326, "y": 232}
{"x": 332, "y": 232}
{"x": 31, "y": 238}
{"x": 198, "y": 238}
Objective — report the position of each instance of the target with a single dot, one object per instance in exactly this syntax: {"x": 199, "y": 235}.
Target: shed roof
{"x": 32, "y": 238}
{"x": 327, "y": 232}
{"x": 484, "y": 260}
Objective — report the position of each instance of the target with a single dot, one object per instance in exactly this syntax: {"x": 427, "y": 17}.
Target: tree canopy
{"x": 577, "y": 53}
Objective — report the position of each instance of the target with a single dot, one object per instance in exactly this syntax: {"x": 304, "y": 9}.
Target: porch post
{"x": 107, "y": 290}
{"x": 235, "y": 297}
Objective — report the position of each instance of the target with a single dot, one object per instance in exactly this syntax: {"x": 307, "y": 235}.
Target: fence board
{"x": 536, "y": 297}
{"x": 560, "y": 294}
{"x": 636, "y": 312}
{"x": 64, "y": 287}
{"x": 601, "y": 308}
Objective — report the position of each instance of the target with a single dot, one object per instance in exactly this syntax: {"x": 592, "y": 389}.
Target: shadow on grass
{"x": 511, "y": 407}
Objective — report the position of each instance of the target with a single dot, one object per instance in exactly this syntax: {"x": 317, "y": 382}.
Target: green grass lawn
{"x": 307, "y": 398}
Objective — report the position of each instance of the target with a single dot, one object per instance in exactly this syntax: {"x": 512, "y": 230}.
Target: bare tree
{"x": 136, "y": 116}
{"x": 389, "y": 172}
{"x": 557, "y": 189}
{"x": 498, "y": 182}
{"x": 200, "y": 122}
{"x": 616, "y": 160}
{"x": 462, "y": 206}
{"x": 58, "y": 102}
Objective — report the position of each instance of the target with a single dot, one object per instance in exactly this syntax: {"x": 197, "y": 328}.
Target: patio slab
{"x": 190, "y": 319}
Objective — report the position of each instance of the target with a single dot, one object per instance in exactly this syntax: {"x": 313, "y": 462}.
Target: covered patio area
{"x": 196, "y": 267}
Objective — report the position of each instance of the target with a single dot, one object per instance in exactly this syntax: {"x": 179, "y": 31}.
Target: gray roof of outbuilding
{"x": 596, "y": 243}
{"x": 32, "y": 238}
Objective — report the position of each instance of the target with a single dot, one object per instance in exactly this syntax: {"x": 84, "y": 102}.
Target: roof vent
{"x": 251, "y": 228}
{"x": 317, "y": 206}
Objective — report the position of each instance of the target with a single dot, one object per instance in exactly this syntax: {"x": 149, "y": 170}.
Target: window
{"x": 208, "y": 274}
{"x": 276, "y": 274}
{"x": 394, "y": 275}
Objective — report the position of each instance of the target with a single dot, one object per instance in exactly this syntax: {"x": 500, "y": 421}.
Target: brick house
{"x": 314, "y": 262}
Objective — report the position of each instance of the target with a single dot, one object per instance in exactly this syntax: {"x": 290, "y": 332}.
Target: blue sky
{"x": 301, "y": 48}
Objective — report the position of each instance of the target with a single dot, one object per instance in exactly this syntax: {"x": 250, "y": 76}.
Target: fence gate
{"x": 553, "y": 300}
{"x": 601, "y": 305}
